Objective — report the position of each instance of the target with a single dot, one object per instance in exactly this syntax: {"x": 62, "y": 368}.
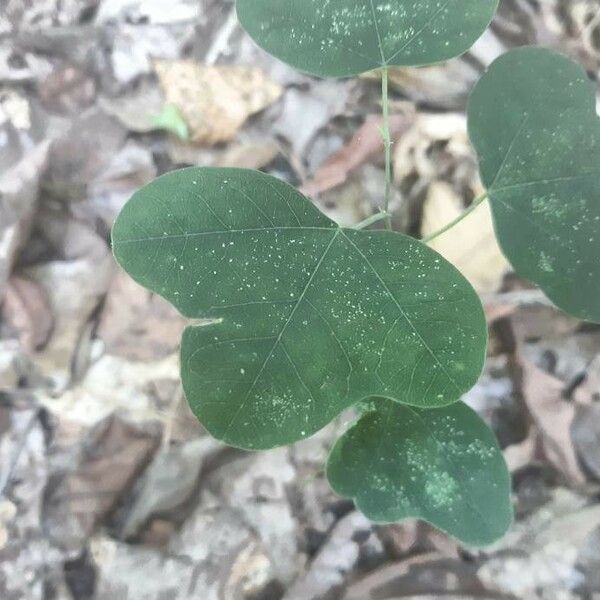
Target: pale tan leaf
{"x": 215, "y": 101}
{"x": 471, "y": 245}
{"x": 553, "y": 415}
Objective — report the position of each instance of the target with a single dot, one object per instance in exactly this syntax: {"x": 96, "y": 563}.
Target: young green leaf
{"x": 533, "y": 121}
{"x": 340, "y": 38}
{"x": 311, "y": 317}
{"x": 443, "y": 466}
{"x": 170, "y": 119}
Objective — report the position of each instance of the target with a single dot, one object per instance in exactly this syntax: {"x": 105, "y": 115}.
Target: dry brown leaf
{"x": 365, "y": 144}
{"x": 249, "y": 155}
{"x": 497, "y": 312}
{"x": 111, "y": 459}
{"x": 553, "y": 416}
{"x": 436, "y": 148}
{"x": 27, "y": 310}
{"x": 585, "y": 432}
{"x": 137, "y": 324}
{"x": 215, "y": 101}
{"x": 429, "y": 574}
{"x": 415, "y": 537}
{"x": 590, "y": 388}
{"x": 520, "y": 455}
{"x": 471, "y": 245}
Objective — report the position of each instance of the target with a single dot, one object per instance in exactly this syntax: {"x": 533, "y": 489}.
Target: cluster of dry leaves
{"x": 109, "y": 488}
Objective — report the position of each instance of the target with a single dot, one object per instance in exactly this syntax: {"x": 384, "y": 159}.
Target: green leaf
{"x": 443, "y": 466}
{"x": 533, "y": 121}
{"x": 170, "y": 119}
{"x": 312, "y": 317}
{"x": 340, "y": 38}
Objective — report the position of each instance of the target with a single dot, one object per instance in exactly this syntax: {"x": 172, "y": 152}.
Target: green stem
{"x": 370, "y": 220}
{"x": 479, "y": 200}
{"x": 387, "y": 143}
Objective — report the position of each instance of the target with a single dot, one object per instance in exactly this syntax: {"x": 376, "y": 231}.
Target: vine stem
{"x": 380, "y": 216}
{"x": 479, "y": 200}
{"x": 387, "y": 143}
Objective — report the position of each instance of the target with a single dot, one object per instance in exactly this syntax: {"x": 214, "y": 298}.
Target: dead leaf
{"x": 537, "y": 558}
{"x": 590, "y": 388}
{"x": 364, "y": 145}
{"x": 497, "y": 312}
{"x": 554, "y": 416}
{"x": 435, "y": 148}
{"x": 249, "y": 155}
{"x": 67, "y": 90}
{"x": 421, "y": 575}
{"x": 27, "y": 310}
{"x": 215, "y": 101}
{"x": 307, "y": 111}
{"x": 416, "y": 537}
{"x": 520, "y": 455}
{"x": 334, "y": 562}
{"x": 169, "y": 481}
{"x": 585, "y": 430}
{"x": 138, "y": 324}
{"x": 137, "y": 108}
{"x": 110, "y": 459}
{"x": 19, "y": 185}
{"x": 74, "y": 288}
{"x": 471, "y": 245}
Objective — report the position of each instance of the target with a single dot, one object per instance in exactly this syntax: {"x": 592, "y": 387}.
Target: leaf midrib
{"x": 280, "y": 335}
{"x": 387, "y": 61}
{"x": 338, "y": 231}
{"x": 403, "y": 313}
{"x": 209, "y": 233}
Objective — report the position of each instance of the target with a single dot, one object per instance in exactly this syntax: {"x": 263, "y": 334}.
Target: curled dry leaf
{"x": 365, "y": 145}
{"x": 585, "y": 430}
{"x": 554, "y": 417}
{"x": 215, "y": 101}
{"x": 335, "y": 560}
{"x": 169, "y": 482}
{"x": 27, "y": 310}
{"x": 424, "y": 575}
{"x": 110, "y": 460}
{"x": 538, "y": 558}
{"x": 435, "y": 148}
{"x": 19, "y": 186}
{"x": 437, "y": 144}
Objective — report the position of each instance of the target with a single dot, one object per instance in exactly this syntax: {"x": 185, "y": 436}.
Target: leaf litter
{"x": 91, "y": 353}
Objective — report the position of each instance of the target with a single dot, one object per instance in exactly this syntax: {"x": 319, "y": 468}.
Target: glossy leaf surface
{"x": 533, "y": 121}
{"x": 443, "y": 466}
{"x": 312, "y": 317}
{"x": 340, "y": 38}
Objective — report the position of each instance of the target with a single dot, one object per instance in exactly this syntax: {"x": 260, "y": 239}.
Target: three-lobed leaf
{"x": 443, "y": 466}
{"x": 533, "y": 122}
{"x": 310, "y": 317}
{"x": 340, "y": 38}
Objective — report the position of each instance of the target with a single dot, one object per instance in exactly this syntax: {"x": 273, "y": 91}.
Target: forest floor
{"x": 109, "y": 488}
